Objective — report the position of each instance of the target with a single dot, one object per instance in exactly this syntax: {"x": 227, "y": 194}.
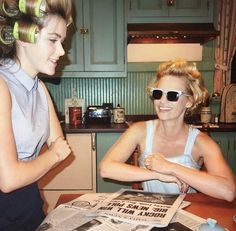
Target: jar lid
{"x": 205, "y": 109}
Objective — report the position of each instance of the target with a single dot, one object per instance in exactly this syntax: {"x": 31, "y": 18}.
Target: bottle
{"x": 216, "y": 118}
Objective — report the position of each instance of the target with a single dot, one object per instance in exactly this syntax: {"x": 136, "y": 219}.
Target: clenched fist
{"x": 61, "y": 148}
{"x": 157, "y": 162}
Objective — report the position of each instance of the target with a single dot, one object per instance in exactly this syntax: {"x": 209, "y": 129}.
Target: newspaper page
{"x": 138, "y": 206}
{"x": 188, "y": 220}
{"x": 73, "y": 214}
{"x": 81, "y": 215}
{"x": 63, "y": 218}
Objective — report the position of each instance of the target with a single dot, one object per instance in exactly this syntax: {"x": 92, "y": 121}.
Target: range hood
{"x": 142, "y": 33}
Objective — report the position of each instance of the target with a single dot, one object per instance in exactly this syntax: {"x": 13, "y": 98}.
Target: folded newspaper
{"x": 137, "y": 206}
{"x": 126, "y": 210}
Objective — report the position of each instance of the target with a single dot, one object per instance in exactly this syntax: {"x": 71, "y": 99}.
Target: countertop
{"x": 117, "y": 128}
{"x": 95, "y": 128}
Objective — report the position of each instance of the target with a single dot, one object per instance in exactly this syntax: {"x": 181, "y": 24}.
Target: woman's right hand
{"x": 61, "y": 148}
{"x": 183, "y": 187}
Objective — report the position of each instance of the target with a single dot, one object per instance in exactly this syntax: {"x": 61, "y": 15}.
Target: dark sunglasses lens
{"x": 156, "y": 94}
{"x": 172, "y": 96}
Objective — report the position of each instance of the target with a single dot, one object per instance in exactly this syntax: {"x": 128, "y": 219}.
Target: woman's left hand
{"x": 158, "y": 163}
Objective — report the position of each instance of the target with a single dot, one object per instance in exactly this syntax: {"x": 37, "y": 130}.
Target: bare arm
{"x": 56, "y": 141}
{"x": 14, "y": 173}
{"x": 218, "y": 181}
{"x": 113, "y": 164}
{"x": 55, "y": 127}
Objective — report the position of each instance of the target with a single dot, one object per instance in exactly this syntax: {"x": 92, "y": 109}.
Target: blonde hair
{"x": 189, "y": 73}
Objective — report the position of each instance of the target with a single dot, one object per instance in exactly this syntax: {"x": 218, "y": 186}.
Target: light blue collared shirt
{"x": 30, "y": 113}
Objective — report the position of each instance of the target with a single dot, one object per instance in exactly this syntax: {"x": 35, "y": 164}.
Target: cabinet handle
{"x": 170, "y": 2}
{"x": 84, "y": 31}
{"x": 234, "y": 144}
{"x": 228, "y": 149}
{"x": 218, "y": 142}
{"x": 93, "y": 141}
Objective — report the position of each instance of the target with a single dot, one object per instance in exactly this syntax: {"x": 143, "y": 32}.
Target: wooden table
{"x": 201, "y": 205}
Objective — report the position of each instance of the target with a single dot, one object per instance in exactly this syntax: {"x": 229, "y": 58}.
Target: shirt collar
{"x": 26, "y": 80}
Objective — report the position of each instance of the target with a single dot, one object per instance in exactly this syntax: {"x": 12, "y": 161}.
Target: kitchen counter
{"x": 95, "y": 128}
{"x": 117, "y": 128}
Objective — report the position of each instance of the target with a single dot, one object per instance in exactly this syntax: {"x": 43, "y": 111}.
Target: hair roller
{"x": 8, "y": 8}
{"x": 25, "y": 31}
{"x": 6, "y": 34}
{"x": 33, "y": 7}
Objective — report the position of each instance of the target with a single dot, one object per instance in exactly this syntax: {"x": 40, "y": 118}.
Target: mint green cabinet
{"x": 227, "y": 142}
{"x": 104, "y": 142}
{"x": 170, "y": 11}
{"x": 95, "y": 44}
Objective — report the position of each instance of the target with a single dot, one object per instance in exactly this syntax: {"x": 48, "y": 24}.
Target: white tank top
{"x": 185, "y": 159}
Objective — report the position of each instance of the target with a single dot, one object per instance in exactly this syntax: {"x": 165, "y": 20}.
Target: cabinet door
{"x": 168, "y": 11}
{"x": 97, "y": 47}
{"x": 104, "y": 142}
{"x": 73, "y": 60}
{"x": 104, "y": 44}
{"x": 227, "y": 142}
{"x": 148, "y": 8}
{"x": 75, "y": 174}
{"x": 189, "y": 8}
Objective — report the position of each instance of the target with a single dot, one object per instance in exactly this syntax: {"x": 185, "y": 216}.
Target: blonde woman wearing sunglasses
{"x": 171, "y": 151}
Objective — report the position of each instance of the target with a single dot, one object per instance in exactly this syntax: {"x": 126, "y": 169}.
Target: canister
{"x": 75, "y": 116}
{"x": 119, "y": 114}
{"x": 205, "y": 114}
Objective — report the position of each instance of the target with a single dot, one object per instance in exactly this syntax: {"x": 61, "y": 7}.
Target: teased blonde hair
{"x": 194, "y": 84}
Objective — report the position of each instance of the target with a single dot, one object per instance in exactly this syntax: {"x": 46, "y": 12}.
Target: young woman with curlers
{"x": 31, "y": 37}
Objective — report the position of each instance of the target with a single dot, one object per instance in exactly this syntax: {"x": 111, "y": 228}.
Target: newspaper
{"x": 81, "y": 215}
{"x": 138, "y": 206}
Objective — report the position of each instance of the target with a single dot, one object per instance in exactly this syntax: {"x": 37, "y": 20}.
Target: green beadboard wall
{"x": 129, "y": 92}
